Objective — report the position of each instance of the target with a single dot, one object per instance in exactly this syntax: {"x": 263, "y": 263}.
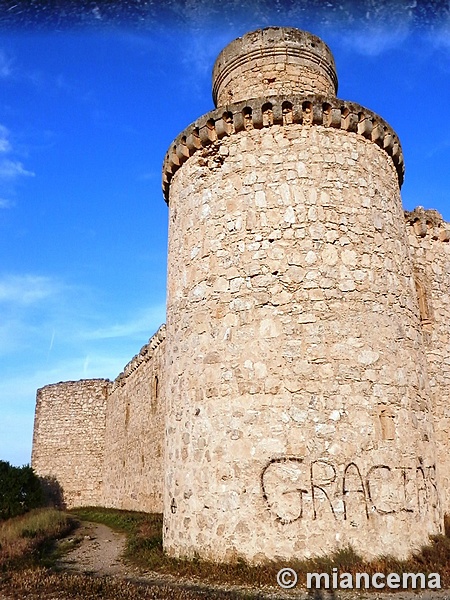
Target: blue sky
{"x": 88, "y": 108}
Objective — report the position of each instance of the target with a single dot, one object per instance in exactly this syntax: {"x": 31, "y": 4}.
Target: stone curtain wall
{"x": 102, "y": 441}
{"x": 429, "y": 238}
{"x": 68, "y": 442}
{"x": 133, "y": 470}
{"x": 298, "y": 404}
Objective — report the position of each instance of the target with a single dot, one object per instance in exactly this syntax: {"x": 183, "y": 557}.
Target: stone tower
{"x": 298, "y": 403}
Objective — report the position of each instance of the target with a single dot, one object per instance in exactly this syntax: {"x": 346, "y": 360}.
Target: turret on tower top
{"x": 278, "y": 76}
{"x": 273, "y": 61}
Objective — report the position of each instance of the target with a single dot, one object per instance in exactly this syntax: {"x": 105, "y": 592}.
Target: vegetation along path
{"x": 100, "y": 553}
{"x": 121, "y": 558}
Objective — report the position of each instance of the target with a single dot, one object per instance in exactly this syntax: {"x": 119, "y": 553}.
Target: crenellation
{"x": 428, "y": 222}
{"x": 145, "y": 354}
{"x": 285, "y": 111}
{"x": 132, "y": 465}
{"x": 428, "y": 236}
{"x": 297, "y": 400}
{"x": 301, "y": 195}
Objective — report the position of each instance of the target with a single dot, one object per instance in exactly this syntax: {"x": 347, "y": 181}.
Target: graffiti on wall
{"x": 297, "y": 488}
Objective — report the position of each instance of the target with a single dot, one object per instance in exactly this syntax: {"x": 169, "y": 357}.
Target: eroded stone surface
{"x": 428, "y": 237}
{"x": 275, "y": 60}
{"x": 69, "y": 438}
{"x": 303, "y": 420}
{"x": 102, "y": 441}
{"x": 303, "y": 383}
{"x": 132, "y": 464}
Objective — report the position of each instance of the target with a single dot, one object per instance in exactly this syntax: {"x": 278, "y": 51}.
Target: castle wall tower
{"x": 298, "y": 404}
{"x": 100, "y": 442}
{"x": 429, "y": 238}
{"x": 69, "y": 437}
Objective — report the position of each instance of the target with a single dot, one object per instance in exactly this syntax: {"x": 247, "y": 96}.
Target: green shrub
{"x": 20, "y": 490}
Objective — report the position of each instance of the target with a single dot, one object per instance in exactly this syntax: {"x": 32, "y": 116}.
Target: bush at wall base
{"x": 20, "y": 490}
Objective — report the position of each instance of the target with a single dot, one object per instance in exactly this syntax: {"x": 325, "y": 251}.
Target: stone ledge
{"x": 144, "y": 355}
{"x": 428, "y": 222}
{"x": 281, "y": 110}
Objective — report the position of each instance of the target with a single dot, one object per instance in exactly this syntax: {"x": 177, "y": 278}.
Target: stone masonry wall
{"x": 429, "y": 238}
{"x": 271, "y": 61}
{"x": 301, "y": 397}
{"x": 133, "y": 469}
{"x": 299, "y": 416}
{"x": 68, "y": 442}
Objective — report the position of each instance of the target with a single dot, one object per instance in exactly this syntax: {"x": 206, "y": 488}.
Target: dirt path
{"x": 101, "y": 549}
{"x": 99, "y": 552}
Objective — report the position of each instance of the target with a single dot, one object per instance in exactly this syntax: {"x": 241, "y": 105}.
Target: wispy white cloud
{"x": 374, "y": 40}
{"x": 28, "y": 304}
{"x": 5, "y": 203}
{"x": 27, "y": 289}
{"x": 438, "y": 41}
{"x": 38, "y": 315}
{"x": 5, "y": 145}
{"x": 10, "y": 169}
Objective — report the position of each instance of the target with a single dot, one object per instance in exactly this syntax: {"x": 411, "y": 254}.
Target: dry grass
{"x": 144, "y": 548}
{"x": 39, "y": 583}
{"x": 25, "y": 539}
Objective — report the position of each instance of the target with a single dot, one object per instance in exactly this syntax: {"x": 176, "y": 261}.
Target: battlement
{"x": 144, "y": 355}
{"x": 428, "y": 222}
{"x": 273, "y": 61}
{"x": 281, "y": 110}
{"x": 302, "y": 383}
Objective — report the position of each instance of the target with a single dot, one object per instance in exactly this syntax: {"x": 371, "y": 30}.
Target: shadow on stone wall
{"x": 53, "y": 492}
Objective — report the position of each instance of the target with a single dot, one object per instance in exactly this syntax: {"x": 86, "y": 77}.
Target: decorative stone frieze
{"x": 264, "y": 112}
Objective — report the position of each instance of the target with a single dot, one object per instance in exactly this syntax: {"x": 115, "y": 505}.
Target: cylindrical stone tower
{"x": 298, "y": 404}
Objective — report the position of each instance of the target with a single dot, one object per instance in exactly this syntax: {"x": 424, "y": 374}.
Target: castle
{"x": 296, "y": 401}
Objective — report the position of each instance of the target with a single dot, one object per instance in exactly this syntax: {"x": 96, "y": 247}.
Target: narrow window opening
{"x": 286, "y": 108}
{"x": 127, "y": 414}
{"x": 155, "y": 391}
{"x": 248, "y": 120}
